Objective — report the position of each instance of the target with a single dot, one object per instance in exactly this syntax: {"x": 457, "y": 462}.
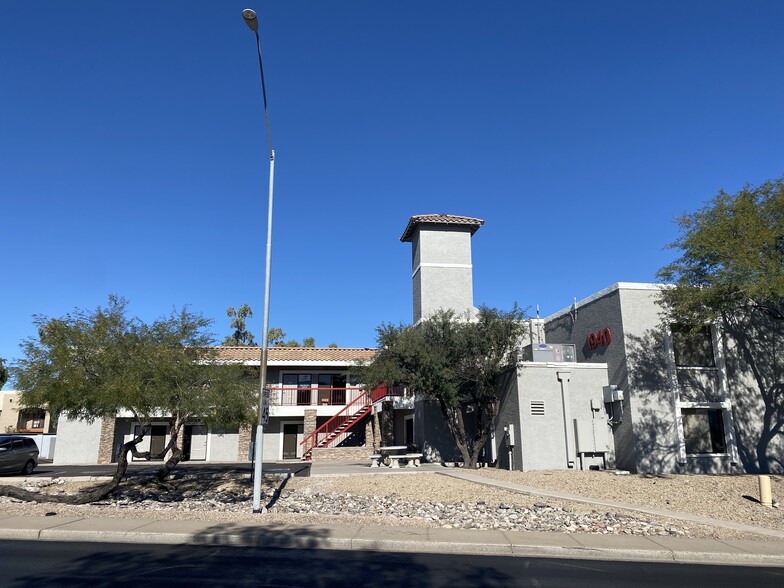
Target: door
{"x": 157, "y": 441}
{"x": 409, "y": 425}
{"x": 194, "y": 442}
{"x": 292, "y": 434}
{"x": 154, "y": 441}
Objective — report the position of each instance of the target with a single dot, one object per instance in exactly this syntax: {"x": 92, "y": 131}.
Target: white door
{"x": 199, "y": 442}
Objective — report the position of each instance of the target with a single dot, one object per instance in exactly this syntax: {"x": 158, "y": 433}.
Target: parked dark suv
{"x": 18, "y": 454}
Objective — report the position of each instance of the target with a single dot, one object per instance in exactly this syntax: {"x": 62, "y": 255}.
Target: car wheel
{"x": 28, "y": 467}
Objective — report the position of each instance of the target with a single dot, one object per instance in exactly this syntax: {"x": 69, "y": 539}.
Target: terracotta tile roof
{"x": 314, "y": 355}
{"x": 439, "y": 219}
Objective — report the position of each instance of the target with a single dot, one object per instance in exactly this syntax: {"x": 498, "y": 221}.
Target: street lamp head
{"x": 250, "y": 19}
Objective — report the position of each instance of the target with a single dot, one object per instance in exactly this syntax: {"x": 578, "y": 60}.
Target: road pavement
{"x": 58, "y": 564}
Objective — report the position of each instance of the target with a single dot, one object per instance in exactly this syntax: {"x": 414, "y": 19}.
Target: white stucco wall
{"x": 77, "y": 442}
{"x": 223, "y": 445}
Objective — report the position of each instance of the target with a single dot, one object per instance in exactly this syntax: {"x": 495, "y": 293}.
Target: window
{"x": 693, "y": 348}
{"x": 335, "y": 388}
{"x": 703, "y": 430}
{"x": 303, "y": 383}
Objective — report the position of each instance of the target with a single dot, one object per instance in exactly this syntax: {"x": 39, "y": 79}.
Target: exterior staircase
{"x": 343, "y": 421}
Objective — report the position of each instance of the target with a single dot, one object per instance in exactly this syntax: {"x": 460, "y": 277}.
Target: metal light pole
{"x": 253, "y": 23}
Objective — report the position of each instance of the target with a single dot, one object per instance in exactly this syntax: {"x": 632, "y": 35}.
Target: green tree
{"x": 92, "y": 364}
{"x": 276, "y": 337}
{"x": 731, "y": 272}
{"x": 732, "y": 257}
{"x": 241, "y": 337}
{"x": 3, "y": 373}
{"x": 455, "y": 363}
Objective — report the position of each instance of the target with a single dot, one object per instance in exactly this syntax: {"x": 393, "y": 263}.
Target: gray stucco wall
{"x": 432, "y": 435}
{"x": 646, "y": 438}
{"x": 600, "y": 313}
{"x": 649, "y": 437}
{"x": 754, "y": 356}
{"x": 441, "y": 270}
{"x": 544, "y": 438}
{"x": 509, "y": 414}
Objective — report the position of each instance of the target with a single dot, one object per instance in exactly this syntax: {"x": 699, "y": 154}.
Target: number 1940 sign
{"x": 600, "y": 338}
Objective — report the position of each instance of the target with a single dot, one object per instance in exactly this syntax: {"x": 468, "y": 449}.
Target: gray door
{"x": 291, "y": 435}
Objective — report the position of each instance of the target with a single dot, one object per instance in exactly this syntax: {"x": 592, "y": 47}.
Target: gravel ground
{"x": 432, "y": 500}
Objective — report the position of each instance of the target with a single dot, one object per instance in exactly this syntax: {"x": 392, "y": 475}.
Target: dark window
{"x": 304, "y": 381}
{"x": 703, "y": 430}
{"x": 693, "y": 348}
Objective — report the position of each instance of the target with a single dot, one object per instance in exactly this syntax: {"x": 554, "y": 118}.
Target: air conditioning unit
{"x": 553, "y": 352}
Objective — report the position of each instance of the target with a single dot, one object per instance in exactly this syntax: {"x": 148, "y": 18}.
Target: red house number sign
{"x": 599, "y": 338}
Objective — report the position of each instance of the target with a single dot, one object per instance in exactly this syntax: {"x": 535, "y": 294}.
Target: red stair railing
{"x": 354, "y": 409}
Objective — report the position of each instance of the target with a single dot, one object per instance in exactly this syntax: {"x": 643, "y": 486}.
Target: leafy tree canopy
{"x": 455, "y": 363}
{"x": 3, "y": 373}
{"x": 732, "y": 256}
{"x": 91, "y": 364}
{"x": 276, "y": 337}
{"x": 241, "y": 336}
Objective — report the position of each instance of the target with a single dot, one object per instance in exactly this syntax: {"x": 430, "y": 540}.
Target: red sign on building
{"x": 600, "y": 338}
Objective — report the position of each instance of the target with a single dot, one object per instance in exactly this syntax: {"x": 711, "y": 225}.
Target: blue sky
{"x": 133, "y": 154}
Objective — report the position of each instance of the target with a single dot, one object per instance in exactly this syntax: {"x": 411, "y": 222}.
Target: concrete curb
{"x": 395, "y": 539}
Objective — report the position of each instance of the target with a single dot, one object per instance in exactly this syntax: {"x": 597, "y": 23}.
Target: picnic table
{"x": 391, "y": 455}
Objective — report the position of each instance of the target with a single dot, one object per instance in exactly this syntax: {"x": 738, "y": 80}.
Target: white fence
{"x": 45, "y": 444}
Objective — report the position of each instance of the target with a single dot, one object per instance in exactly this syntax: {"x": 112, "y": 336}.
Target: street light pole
{"x": 253, "y": 23}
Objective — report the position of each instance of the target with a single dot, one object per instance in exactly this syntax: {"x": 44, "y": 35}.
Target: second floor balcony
{"x": 324, "y": 396}
{"x": 314, "y": 396}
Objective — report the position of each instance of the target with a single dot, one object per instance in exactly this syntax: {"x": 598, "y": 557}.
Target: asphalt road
{"x": 44, "y": 564}
{"x": 49, "y": 470}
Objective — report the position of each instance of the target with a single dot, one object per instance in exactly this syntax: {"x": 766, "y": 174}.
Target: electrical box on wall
{"x": 591, "y": 436}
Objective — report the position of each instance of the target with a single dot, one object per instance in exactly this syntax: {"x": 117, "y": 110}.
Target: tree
{"x": 91, "y": 364}
{"x": 241, "y": 337}
{"x": 731, "y": 272}
{"x": 276, "y": 337}
{"x": 732, "y": 256}
{"x": 455, "y": 363}
{"x": 3, "y": 373}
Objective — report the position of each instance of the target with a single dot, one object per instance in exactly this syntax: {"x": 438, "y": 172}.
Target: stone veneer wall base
{"x": 342, "y": 453}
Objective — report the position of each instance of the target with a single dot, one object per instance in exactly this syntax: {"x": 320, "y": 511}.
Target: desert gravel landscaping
{"x": 427, "y": 499}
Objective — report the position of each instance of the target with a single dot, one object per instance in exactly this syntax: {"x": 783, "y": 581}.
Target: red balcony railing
{"x": 315, "y": 396}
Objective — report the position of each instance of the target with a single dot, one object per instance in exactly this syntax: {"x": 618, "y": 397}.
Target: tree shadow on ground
{"x": 274, "y": 555}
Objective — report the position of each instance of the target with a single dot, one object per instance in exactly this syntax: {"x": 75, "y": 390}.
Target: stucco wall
{"x": 77, "y": 442}
{"x": 544, "y": 438}
{"x": 442, "y": 273}
{"x": 222, "y": 445}
{"x": 599, "y": 313}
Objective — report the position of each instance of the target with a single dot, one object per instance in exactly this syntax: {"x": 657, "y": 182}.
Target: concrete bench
{"x": 412, "y": 460}
{"x": 374, "y": 460}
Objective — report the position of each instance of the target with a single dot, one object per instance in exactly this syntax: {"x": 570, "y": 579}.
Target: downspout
{"x": 564, "y": 378}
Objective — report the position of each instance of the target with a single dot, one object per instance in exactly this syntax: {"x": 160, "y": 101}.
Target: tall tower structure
{"x": 442, "y": 272}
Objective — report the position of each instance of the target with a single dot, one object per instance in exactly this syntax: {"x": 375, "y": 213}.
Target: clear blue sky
{"x": 133, "y": 154}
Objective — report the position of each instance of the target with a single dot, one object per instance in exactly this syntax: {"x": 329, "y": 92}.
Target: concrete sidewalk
{"x": 395, "y": 539}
